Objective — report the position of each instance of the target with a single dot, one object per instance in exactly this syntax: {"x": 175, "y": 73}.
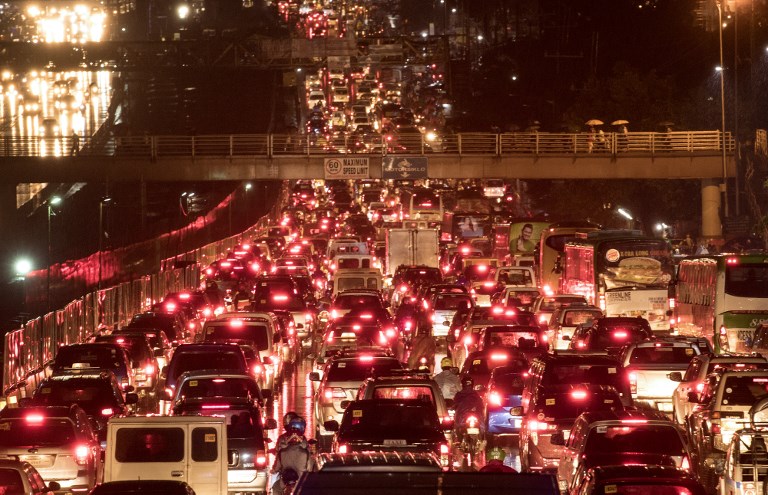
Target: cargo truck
{"x": 411, "y": 247}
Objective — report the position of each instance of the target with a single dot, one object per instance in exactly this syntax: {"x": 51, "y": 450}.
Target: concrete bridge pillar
{"x": 710, "y": 208}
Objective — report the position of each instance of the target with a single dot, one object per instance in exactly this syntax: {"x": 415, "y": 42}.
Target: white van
{"x": 351, "y": 278}
{"x": 180, "y": 448}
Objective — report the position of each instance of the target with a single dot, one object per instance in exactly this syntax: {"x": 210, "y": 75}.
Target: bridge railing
{"x": 470, "y": 143}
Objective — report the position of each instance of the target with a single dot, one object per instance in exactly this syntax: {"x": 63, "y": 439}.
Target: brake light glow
{"x": 107, "y": 411}
{"x": 579, "y": 394}
{"x": 403, "y": 288}
{"x": 343, "y": 449}
{"x": 225, "y": 264}
{"x": 366, "y": 316}
{"x": 548, "y": 291}
{"x": 280, "y": 298}
{"x": 34, "y": 418}
{"x": 236, "y": 323}
{"x": 149, "y": 369}
{"x": 81, "y": 454}
{"x": 215, "y": 406}
{"x": 731, "y": 261}
{"x": 497, "y": 310}
{"x": 184, "y": 295}
{"x": 672, "y": 303}
{"x": 468, "y": 340}
{"x": 495, "y": 399}
{"x": 334, "y": 393}
{"x": 366, "y": 359}
{"x": 509, "y": 312}
{"x": 634, "y": 421}
{"x": 444, "y": 449}
{"x": 499, "y": 357}
{"x": 482, "y": 268}
{"x": 685, "y": 464}
{"x": 390, "y": 333}
{"x": 261, "y": 458}
{"x": 207, "y": 312}
{"x": 489, "y": 284}
{"x": 258, "y": 369}
{"x": 620, "y": 334}
{"x": 542, "y": 319}
{"x": 535, "y": 425}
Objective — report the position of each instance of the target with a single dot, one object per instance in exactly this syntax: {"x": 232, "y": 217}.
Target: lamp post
{"x": 626, "y": 214}
{"x": 103, "y": 201}
{"x": 55, "y": 200}
{"x": 724, "y": 186}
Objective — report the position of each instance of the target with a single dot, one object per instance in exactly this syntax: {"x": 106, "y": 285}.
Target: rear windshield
{"x": 347, "y": 371}
{"x": 165, "y": 323}
{"x": 511, "y": 384}
{"x": 423, "y": 393}
{"x": 254, "y": 334}
{"x": 217, "y": 387}
{"x": 92, "y": 356}
{"x": 396, "y": 419}
{"x": 618, "y": 336}
{"x": 566, "y": 405}
{"x": 10, "y": 482}
{"x": 424, "y": 276}
{"x": 514, "y": 276}
{"x": 243, "y": 425}
{"x": 149, "y": 445}
{"x": 662, "y": 355}
{"x": 350, "y": 302}
{"x": 453, "y": 302}
{"x": 88, "y": 394}
{"x": 744, "y": 390}
{"x": 523, "y": 297}
{"x": 353, "y": 262}
{"x": 552, "y": 303}
{"x": 580, "y": 317}
{"x": 136, "y": 347}
{"x": 599, "y": 374}
{"x": 193, "y": 361}
{"x": 45, "y": 432}
{"x": 350, "y": 283}
{"x": 511, "y": 337}
{"x": 649, "y": 439}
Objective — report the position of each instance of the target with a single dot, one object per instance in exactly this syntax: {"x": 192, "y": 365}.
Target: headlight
{"x": 431, "y": 136}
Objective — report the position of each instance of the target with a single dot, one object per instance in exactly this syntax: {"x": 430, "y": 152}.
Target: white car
{"x": 340, "y": 95}
{"x": 360, "y": 120}
{"x": 338, "y": 119}
{"x": 336, "y": 73}
{"x": 316, "y": 98}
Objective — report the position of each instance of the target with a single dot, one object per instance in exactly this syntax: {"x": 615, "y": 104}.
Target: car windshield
{"x": 91, "y": 395}
{"x": 662, "y": 355}
{"x": 569, "y": 404}
{"x": 350, "y": 283}
{"x": 524, "y": 297}
{"x": 214, "y": 360}
{"x": 552, "y": 303}
{"x": 599, "y": 374}
{"x": 618, "y": 336}
{"x": 744, "y": 390}
{"x": 164, "y": 322}
{"x": 92, "y": 356}
{"x": 398, "y": 419}
{"x": 425, "y": 276}
{"x": 217, "y": 387}
{"x": 747, "y": 280}
{"x": 580, "y": 317}
{"x": 628, "y": 438}
{"x": 421, "y": 392}
{"x": 35, "y": 430}
{"x": 360, "y": 369}
{"x": 10, "y": 482}
{"x": 453, "y": 302}
{"x": 512, "y": 337}
{"x": 255, "y": 334}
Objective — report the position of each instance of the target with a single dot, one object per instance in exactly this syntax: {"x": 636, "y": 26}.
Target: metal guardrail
{"x": 28, "y": 350}
{"x": 275, "y": 145}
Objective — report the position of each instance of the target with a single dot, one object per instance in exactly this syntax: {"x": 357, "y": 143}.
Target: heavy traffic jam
{"x": 418, "y": 326}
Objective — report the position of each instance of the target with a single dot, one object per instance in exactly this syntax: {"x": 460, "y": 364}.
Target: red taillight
{"x": 34, "y": 418}
{"x": 215, "y": 406}
{"x": 81, "y": 454}
{"x": 343, "y": 449}
{"x": 334, "y": 393}
{"x": 620, "y": 335}
{"x": 107, "y": 411}
{"x": 633, "y": 382}
{"x": 261, "y": 458}
{"x": 471, "y": 421}
{"x": 207, "y": 312}
{"x": 535, "y": 425}
{"x": 579, "y": 394}
{"x": 403, "y": 288}
{"x": 495, "y": 399}
{"x": 258, "y": 369}
{"x": 499, "y": 357}
{"x": 468, "y": 340}
{"x": 634, "y": 421}
{"x": 391, "y": 333}
{"x": 672, "y": 303}
{"x": 329, "y": 339}
{"x": 699, "y": 387}
{"x": 685, "y": 464}
{"x": 444, "y": 449}
{"x": 149, "y": 369}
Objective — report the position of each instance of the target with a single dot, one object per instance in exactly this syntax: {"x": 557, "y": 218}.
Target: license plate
{"x": 37, "y": 461}
{"x": 395, "y": 442}
{"x": 473, "y": 431}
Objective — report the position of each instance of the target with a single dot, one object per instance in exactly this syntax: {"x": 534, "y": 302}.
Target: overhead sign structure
{"x": 404, "y": 167}
{"x": 346, "y": 168}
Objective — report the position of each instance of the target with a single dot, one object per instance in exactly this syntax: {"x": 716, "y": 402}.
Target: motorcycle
{"x": 469, "y": 439}
{"x": 290, "y": 478}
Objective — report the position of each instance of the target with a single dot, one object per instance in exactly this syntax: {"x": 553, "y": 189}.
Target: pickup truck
{"x": 649, "y": 364}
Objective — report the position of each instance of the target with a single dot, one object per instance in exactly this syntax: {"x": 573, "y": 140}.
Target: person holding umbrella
{"x": 623, "y": 133}
{"x": 591, "y": 138}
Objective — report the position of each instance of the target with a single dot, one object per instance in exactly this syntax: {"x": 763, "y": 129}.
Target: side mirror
{"x": 693, "y": 397}
{"x": 331, "y": 425}
{"x": 54, "y": 486}
{"x": 270, "y": 424}
{"x": 345, "y": 404}
{"x": 131, "y": 398}
{"x": 314, "y": 376}
{"x": 557, "y": 438}
{"x": 675, "y": 376}
{"x": 516, "y": 411}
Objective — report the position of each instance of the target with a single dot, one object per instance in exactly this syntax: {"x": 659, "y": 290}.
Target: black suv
{"x": 611, "y": 334}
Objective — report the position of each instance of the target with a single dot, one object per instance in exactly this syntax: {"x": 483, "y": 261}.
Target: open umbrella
{"x": 594, "y": 122}
{"x": 666, "y": 123}
{"x": 620, "y": 122}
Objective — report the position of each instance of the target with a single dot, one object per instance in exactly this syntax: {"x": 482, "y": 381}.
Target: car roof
{"x": 47, "y": 411}
{"x": 379, "y": 461}
{"x": 633, "y": 416}
{"x": 560, "y": 357}
{"x": 204, "y": 374}
{"x": 622, "y": 473}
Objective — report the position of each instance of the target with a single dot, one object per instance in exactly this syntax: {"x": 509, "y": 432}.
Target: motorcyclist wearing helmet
{"x": 448, "y": 379}
{"x": 494, "y": 461}
{"x": 294, "y": 456}
{"x": 282, "y": 440}
{"x": 467, "y": 401}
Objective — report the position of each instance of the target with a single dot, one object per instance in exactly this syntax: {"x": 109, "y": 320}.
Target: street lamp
{"x": 721, "y": 69}
{"x": 55, "y": 200}
{"x": 626, "y": 214}
{"x": 22, "y": 267}
{"x": 104, "y": 201}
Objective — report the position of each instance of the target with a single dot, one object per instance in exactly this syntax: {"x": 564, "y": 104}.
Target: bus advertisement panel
{"x": 723, "y": 298}
{"x": 623, "y": 276}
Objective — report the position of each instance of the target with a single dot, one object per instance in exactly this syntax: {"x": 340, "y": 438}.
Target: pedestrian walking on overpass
{"x": 75, "y": 144}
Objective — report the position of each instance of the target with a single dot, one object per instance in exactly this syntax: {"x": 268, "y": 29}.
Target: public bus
{"x": 551, "y": 249}
{"x": 425, "y": 205}
{"x": 622, "y": 272}
{"x": 723, "y": 298}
